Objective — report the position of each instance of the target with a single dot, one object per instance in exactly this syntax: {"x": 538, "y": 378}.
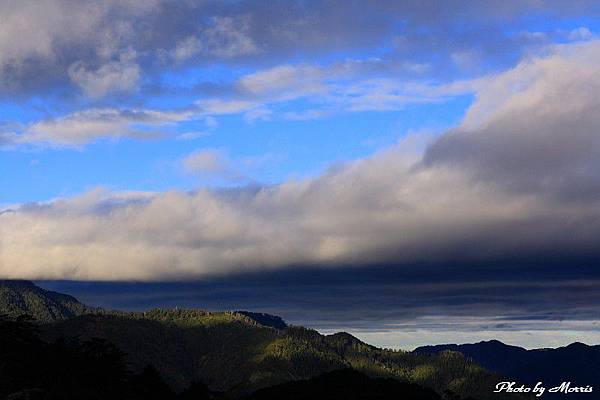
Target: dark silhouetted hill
{"x": 576, "y": 362}
{"x": 265, "y": 319}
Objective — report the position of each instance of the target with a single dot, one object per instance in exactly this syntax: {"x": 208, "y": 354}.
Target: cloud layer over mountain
{"x": 516, "y": 179}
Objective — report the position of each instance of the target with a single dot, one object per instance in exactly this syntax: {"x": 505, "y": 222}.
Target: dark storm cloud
{"x": 379, "y": 297}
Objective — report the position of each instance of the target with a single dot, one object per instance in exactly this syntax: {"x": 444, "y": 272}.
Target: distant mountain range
{"x": 577, "y": 362}
{"x": 237, "y": 353}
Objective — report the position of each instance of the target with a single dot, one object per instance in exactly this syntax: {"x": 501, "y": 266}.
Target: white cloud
{"x": 87, "y": 126}
{"x": 337, "y": 88}
{"x": 527, "y": 334}
{"x": 115, "y": 76}
{"x": 225, "y": 37}
{"x": 187, "y": 48}
{"x": 210, "y": 122}
{"x": 228, "y": 37}
{"x": 466, "y": 59}
{"x": 192, "y": 135}
{"x": 213, "y": 107}
{"x": 533, "y": 128}
{"x": 581, "y": 33}
{"x": 207, "y": 160}
{"x": 211, "y": 163}
{"x": 258, "y": 114}
{"x": 292, "y": 81}
{"x": 37, "y": 38}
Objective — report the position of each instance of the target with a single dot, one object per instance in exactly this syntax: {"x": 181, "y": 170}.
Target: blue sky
{"x": 204, "y": 141}
{"x": 269, "y": 145}
{"x": 268, "y": 151}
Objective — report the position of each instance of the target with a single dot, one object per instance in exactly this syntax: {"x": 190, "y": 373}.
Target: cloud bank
{"x": 92, "y": 46}
{"x": 516, "y": 179}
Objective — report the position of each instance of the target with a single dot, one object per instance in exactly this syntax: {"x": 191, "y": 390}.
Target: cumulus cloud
{"x": 115, "y": 76}
{"x": 204, "y": 161}
{"x": 581, "y": 33}
{"x": 225, "y": 37}
{"x": 211, "y": 163}
{"x": 65, "y": 33}
{"x": 534, "y": 128}
{"x": 516, "y": 179}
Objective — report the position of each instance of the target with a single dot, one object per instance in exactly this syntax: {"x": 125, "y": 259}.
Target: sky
{"x": 413, "y": 172}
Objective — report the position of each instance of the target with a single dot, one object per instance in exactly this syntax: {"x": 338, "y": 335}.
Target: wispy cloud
{"x": 259, "y": 96}
{"x": 84, "y": 127}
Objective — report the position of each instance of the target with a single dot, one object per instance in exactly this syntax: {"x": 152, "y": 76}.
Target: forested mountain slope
{"x": 235, "y": 352}
{"x": 23, "y": 297}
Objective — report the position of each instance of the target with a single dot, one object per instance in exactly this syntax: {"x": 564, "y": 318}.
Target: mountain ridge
{"x": 23, "y": 297}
